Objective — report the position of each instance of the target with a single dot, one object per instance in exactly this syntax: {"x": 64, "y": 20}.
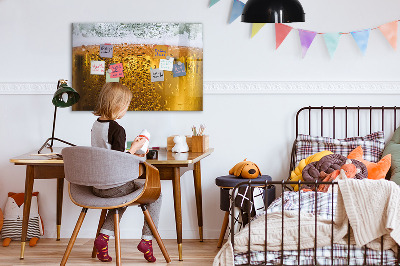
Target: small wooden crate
{"x": 171, "y": 143}
{"x": 200, "y": 143}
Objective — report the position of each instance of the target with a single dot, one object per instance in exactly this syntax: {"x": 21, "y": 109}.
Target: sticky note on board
{"x": 160, "y": 51}
{"x": 179, "y": 70}
{"x": 167, "y": 64}
{"x": 156, "y": 75}
{"x": 109, "y": 79}
{"x": 117, "y": 70}
{"x": 106, "y": 50}
{"x": 97, "y": 67}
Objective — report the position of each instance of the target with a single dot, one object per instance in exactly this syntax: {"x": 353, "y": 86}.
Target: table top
{"x": 164, "y": 157}
{"x": 168, "y": 157}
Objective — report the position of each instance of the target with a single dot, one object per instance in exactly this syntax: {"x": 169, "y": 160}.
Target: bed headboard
{"x": 344, "y": 121}
{"x": 348, "y": 115}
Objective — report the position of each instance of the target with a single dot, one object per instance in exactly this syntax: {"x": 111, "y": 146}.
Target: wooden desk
{"x": 171, "y": 167}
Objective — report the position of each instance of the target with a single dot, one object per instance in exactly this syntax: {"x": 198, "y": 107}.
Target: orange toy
{"x": 245, "y": 169}
{"x": 375, "y": 170}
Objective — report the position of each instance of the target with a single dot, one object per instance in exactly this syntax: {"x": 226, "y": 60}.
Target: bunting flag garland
{"x": 389, "y": 30}
{"x": 332, "y": 41}
{"x": 213, "y": 2}
{"x": 256, "y": 27}
{"x": 306, "y": 39}
{"x": 281, "y": 31}
{"x": 237, "y": 9}
{"x": 361, "y": 37}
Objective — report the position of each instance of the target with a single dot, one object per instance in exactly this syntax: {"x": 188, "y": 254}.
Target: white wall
{"x": 35, "y": 46}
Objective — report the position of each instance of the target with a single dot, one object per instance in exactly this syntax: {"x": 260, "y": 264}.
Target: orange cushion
{"x": 375, "y": 170}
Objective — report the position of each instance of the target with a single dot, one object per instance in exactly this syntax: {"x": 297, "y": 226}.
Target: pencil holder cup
{"x": 200, "y": 143}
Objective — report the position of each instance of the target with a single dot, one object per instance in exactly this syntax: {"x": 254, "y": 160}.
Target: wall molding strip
{"x": 246, "y": 87}
{"x": 303, "y": 87}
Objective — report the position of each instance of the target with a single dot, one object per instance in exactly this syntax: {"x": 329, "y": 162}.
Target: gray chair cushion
{"x": 84, "y": 196}
{"x": 99, "y": 167}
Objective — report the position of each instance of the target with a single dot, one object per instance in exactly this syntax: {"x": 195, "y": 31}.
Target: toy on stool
{"x": 245, "y": 169}
{"x": 13, "y": 215}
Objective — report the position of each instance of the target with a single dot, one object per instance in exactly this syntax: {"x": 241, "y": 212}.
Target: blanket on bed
{"x": 371, "y": 206}
{"x": 274, "y": 235}
{"x": 373, "y": 209}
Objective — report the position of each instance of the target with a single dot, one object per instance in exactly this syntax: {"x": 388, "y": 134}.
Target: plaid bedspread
{"x": 307, "y": 202}
{"x": 324, "y": 257}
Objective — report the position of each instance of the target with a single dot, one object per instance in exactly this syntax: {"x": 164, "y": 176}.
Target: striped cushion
{"x": 372, "y": 145}
{"x": 13, "y": 228}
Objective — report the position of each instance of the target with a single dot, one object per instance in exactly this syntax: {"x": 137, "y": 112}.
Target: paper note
{"x": 166, "y": 64}
{"x": 157, "y": 75}
{"x": 97, "y": 67}
{"x": 160, "y": 51}
{"x": 106, "y": 50}
{"x": 117, "y": 70}
{"x": 179, "y": 70}
{"x": 109, "y": 79}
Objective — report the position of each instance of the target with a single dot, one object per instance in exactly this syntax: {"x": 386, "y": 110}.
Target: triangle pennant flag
{"x": 281, "y": 31}
{"x": 332, "y": 41}
{"x": 213, "y": 2}
{"x": 389, "y": 30}
{"x": 361, "y": 37}
{"x": 306, "y": 39}
{"x": 237, "y": 9}
{"x": 256, "y": 27}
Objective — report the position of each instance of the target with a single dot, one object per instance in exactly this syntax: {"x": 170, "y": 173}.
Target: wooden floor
{"x": 50, "y": 252}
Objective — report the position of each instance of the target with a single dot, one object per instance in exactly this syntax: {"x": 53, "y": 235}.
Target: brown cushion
{"x": 328, "y": 164}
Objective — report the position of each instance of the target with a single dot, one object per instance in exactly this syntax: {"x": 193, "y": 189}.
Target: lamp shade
{"x": 65, "y": 96}
{"x": 273, "y": 11}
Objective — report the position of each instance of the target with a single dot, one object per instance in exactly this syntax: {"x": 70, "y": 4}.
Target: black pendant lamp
{"x": 273, "y": 11}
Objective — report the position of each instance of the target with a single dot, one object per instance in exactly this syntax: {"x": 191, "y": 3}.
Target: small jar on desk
{"x": 226, "y": 183}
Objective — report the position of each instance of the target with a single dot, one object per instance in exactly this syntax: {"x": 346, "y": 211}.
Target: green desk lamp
{"x": 64, "y": 97}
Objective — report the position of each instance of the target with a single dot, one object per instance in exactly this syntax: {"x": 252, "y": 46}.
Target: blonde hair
{"x": 113, "y": 98}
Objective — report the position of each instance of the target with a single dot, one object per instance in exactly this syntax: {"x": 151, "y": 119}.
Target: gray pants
{"x": 154, "y": 208}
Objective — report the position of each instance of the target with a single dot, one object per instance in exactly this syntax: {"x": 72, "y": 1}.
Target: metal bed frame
{"x": 283, "y": 184}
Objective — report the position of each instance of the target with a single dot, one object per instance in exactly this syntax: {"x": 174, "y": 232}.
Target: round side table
{"x": 228, "y": 182}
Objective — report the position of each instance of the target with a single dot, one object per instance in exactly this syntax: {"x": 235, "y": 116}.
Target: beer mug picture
{"x": 162, "y": 63}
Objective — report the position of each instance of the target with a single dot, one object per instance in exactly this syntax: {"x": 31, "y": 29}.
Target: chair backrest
{"x": 92, "y": 166}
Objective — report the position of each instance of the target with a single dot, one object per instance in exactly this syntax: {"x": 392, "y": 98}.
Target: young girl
{"x": 113, "y": 103}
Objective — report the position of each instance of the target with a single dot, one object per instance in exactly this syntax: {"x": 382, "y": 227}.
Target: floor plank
{"x": 50, "y": 252}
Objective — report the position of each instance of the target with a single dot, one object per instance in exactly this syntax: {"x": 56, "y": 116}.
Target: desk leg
{"x": 199, "y": 204}
{"x": 176, "y": 182}
{"x": 60, "y": 190}
{"x": 27, "y": 206}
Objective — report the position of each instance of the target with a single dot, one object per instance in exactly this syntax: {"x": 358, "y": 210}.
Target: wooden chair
{"x": 85, "y": 167}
